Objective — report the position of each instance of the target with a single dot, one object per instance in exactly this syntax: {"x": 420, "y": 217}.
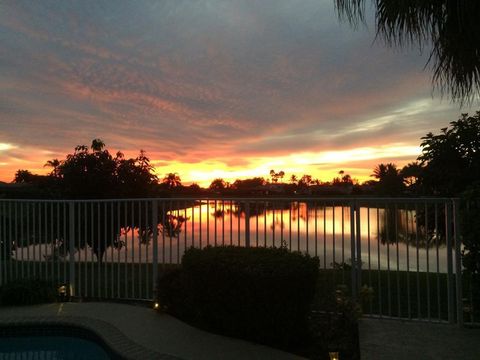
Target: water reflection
{"x": 395, "y": 237}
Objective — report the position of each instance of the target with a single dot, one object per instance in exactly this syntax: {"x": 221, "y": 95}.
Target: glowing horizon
{"x": 324, "y": 166}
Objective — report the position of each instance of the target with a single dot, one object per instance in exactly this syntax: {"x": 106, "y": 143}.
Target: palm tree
{"x": 293, "y": 179}
{"x": 390, "y": 180}
{"x": 411, "y": 173}
{"x": 273, "y": 175}
{"x": 54, "y": 164}
{"x": 172, "y": 180}
{"x": 380, "y": 171}
{"x": 97, "y": 145}
{"x": 449, "y": 26}
{"x": 280, "y": 175}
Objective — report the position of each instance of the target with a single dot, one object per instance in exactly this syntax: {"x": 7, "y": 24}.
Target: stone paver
{"x": 398, "y": 340}
{"x": 159, "y": 333}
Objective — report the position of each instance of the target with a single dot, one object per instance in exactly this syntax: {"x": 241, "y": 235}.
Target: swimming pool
{"x": 40, "y": 340}
{"x": 51, "y": 347}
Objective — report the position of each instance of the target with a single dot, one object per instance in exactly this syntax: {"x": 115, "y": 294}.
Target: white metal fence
{"x": 408, "y": 251}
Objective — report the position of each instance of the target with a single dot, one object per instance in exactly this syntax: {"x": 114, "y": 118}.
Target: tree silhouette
{"x": 347, "y": 179}
{"x": 86, "y": 174}
{"x": 449, "y": 26}
{"x": 248, "y": 184}
{"x": 276, "y": 176}
{"x": 451, "y": 159}
{"x": 218, "y": 184}
{"x": 135, "y": 176}
{"x": 23, "y": 176}
{"x": 411, "y": 173}
{"x": 305, "y": 181}
{"x": 172, "y": 181}
{"x": 293, "y": 179}
{"x": 390, "y": 181}
{"x": 54, "y": 164}
{"x": 97, "y": 145}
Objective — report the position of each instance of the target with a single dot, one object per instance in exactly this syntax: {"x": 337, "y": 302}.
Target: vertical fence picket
{"x": 71, "y": 246}
{"x": 450, "y": 275}
{"x": 458, "y": 262}
{"x": 111, "y": 248}
{"x": 352, "y": 251}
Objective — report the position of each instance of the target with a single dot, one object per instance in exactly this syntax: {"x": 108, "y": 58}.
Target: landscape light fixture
{"x": 334, "y": 355}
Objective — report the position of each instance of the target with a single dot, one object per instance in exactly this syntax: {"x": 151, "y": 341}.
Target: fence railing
{"x": 404, "y": 253}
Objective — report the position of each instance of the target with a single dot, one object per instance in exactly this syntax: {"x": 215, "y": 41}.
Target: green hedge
{"x": 27, "y": 292}
{"x": 260, "y": 294}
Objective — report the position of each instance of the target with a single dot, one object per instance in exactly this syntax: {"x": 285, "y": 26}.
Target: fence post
{"x": 247, "y": 224}
{"x": 458, "y": 260}
{"x": 352, "y": 250}
{"x": 2, "y": 243}
{"x": 71, "y": 246}
{"x": 155, "y": 246}
{"x": 450, "y": 277}
{"x": 359, "y": 247}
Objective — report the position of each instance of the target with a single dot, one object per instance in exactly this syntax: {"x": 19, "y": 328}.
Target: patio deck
{"x": 136, "y": 332}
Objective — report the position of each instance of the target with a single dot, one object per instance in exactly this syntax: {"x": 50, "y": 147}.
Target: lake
{"x": 391, "y": 237}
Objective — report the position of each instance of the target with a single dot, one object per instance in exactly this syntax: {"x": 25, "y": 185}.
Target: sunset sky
{"x": 210, "y": 88}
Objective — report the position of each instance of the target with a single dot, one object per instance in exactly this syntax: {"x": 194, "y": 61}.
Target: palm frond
{"x": 448, "y": 26}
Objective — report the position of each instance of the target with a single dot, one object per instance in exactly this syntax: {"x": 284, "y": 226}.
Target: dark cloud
{"x": 189, "y": 81}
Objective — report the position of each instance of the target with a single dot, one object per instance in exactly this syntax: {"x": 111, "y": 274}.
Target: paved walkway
{"x": 399, "y": 340}
{"x": 140, "y": 333}
{"x": 159, "y": 334}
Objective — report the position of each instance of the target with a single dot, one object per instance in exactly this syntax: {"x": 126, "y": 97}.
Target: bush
{"x": 334, "y": 324}
{"x": 27, "y": 292}
{"x": 470, "y": 238}
{"x": 258, "y": 294}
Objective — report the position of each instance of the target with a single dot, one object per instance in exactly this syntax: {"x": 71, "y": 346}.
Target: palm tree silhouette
{"x": 54, "y": 164}
{"x": 172, "y": 180}
{"x": 449, "y": 26}
{"x": 97, "y": 145}
{"x": 382, "y": 171}
{"x": 293, "y": 179}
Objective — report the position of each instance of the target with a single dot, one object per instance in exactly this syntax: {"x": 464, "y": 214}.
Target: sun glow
{"x": 5, "y": 146}
{"x": 358, "y": 162}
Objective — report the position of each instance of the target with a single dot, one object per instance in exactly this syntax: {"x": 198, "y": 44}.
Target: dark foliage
{"x": 258, "y": 294}
{"x": 390, "y": 180}
{"x": 93, "y": 173}
{"x": 470, "y": 238}
{"x": 448, "y": 27}
{"x": 451, "y": 159}
{"x": 27, "y": 292}
{"x": 334, "y": 319}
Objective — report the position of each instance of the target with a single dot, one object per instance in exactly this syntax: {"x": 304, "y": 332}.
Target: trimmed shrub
{"x": 27, "y": 292}
{"x": 334, "y": 322}
{"x": 260, "y": 294}
{"x": 470, "y": 215}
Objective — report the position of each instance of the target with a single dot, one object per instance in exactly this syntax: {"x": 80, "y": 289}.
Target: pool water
{"x": 50, "y": 348}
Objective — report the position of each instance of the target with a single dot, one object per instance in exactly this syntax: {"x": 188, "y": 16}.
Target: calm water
{"x": 323, "y": 231}
{"x": 50, "y": 347}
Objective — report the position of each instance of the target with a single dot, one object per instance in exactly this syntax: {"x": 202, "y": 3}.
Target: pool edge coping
{"x": 116, "y": 341}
